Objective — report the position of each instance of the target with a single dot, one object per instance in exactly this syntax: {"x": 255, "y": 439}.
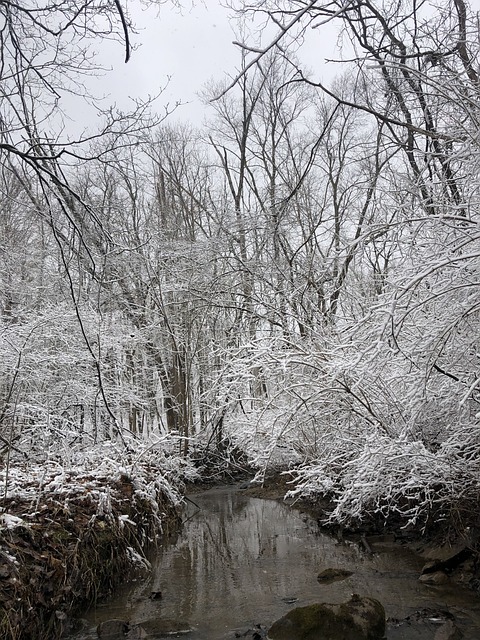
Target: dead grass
{"x": 71, "y": 551}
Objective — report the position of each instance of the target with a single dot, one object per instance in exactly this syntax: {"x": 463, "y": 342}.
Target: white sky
{"x": 184, "y": 49}
{"x": 191, "y": 47}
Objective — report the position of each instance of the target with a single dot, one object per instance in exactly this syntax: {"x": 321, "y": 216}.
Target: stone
{"x": 361, "y": 618}
{"x": 167, "y": 627}
{"x": 445, "y": 558}
{"x": 438, "y": 577}
{"x": 448, "y": 631}
{"x": 112, "y": 629}
{"x": 136, "y": 632}
{"x": 333, "y": 575}
{"x": 120, "y": 630}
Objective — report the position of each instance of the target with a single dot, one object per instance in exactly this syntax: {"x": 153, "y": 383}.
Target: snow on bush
{"x": 392, "y": 477}
{"x": 375, "y": 428}
{"x": 151, "y": 467}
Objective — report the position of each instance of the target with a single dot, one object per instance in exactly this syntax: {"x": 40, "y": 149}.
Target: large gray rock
{"x": 360, "y": 618}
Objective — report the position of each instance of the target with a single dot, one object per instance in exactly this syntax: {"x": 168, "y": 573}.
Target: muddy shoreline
{"x": 72, "y": 548}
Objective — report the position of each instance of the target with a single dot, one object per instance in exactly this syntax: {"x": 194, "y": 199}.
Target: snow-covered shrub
{"x": 393, "y": 479}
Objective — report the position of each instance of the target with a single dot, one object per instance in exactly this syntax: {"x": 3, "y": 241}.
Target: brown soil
{"x": 67, "y": 553}
{"x": 273, "y": 488}
{"x": 276, "y": 487}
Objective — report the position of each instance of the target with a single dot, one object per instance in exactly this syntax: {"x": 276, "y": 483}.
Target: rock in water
{"x": 112, "y": 629}
{"x": 448, "y": 631}
{"x": 360, "y": 618}
{"x": 120, "y": 630}
{"x": 438, "y": 577}
{"x": 136, "y": 632}
{"x": 333, "y": 575}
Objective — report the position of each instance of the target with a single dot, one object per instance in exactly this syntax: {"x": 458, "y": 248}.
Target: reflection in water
{"x": 241, "y": 561}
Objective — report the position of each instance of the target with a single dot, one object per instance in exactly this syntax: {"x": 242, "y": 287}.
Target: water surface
{"x": 242, "y": 561}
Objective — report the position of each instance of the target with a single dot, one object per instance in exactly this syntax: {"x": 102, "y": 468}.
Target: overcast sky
{"x": 185, "y": 49}
{"x": 190, "y": 47}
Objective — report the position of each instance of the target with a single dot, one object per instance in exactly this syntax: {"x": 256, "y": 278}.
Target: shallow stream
{"x": 241, "y": 561}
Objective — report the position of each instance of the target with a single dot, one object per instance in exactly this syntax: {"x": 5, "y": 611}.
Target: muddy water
{"x": 242, "y": 561}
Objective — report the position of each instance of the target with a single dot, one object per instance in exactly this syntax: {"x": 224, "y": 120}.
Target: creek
{"x": 241, "y": 561}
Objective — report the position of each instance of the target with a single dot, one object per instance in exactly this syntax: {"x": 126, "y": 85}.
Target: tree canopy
{"x": 293, "y": 285}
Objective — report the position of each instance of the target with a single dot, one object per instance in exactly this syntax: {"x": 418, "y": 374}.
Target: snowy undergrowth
{"x": 383, "y": 440}
{"x": 73, "y": 526}
{"x": 265, "y": 439}
{"x": 151, "y": 466}
{"x": 393, "y": 479}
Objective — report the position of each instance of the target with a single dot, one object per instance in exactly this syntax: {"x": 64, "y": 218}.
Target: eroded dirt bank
{"x": 78, "y": 537}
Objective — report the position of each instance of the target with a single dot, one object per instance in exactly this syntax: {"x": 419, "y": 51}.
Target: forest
{"x": 291, "y": 287}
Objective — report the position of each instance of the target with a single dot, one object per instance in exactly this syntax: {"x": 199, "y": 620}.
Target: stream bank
{"x": 72, "y": 540}
{"x": 73, "y": 545}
